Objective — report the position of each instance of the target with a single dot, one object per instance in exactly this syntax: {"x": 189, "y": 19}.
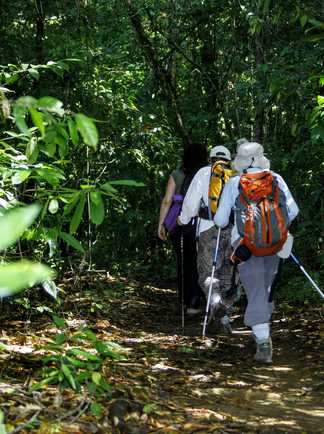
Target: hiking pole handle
{"x": 307, "y": 275}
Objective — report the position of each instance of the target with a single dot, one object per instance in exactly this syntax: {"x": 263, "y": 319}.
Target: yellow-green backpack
{"x": 220, "y": 173}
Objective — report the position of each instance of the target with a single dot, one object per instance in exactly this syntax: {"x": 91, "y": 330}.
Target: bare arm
{"x": 165, "y": 206}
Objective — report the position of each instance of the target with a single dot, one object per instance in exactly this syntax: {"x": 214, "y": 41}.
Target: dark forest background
{"x": 151, "y": 76}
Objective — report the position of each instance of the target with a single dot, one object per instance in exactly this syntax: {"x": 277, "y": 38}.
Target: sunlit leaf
{"x": 78, "y": 213}
{"x": 17, "y": 276}
{"x": 14, "y": 222}
{"x": 27, "y": 101}
{"x": 73, "y": 132}
{"x": 19, "y": 115}
{"x": 108, "y": 188}
{"x": 73, "y": 242}
{"x": 32, "y": 150}
{"x": 97, "y": 209}
{"x": 2, "y": 425}
{"x": 50, "y": 287}
{"x": 20, "y": 176}
{"x": 33, "y": 73}
{"x": 51, "y": 104}
{"x": 96, "y": 378}
{"x": 68, "y": 375}
{"x": 87, "y": 129}
{"x": 96, "y": 409}
{"x": 58, "y": 321}
{"x": 38, "y": 120}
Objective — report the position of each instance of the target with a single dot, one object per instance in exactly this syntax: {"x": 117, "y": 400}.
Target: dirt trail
{"x": 197, "y": 388}
{"x": 171, "y": 381}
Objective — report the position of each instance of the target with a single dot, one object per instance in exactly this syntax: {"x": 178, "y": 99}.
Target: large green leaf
{"x": 71, "y": 199}
{"x": 32, "y": 150}
{"x": 73, "y": 132}
{"x": 71, "y": 241}
{"x": 2, "y": 424}
{"x": 51, "y": 104}
{"x": 87, "y": 129}
{"x": 68, "y": 375}
{"x": 14, "y": 222}
{"x": 50, "y": 174}
{"x": 38, "y": 120}
{"x": 77, "y": 216}
{"x": 19, "y": 113}
{"x": 108, "y": 188}
{"x": 20, "y": 176}
{"x": 27, "y": 101}
{"x": 97, "y": 209}
{"x": 19, "y": 275}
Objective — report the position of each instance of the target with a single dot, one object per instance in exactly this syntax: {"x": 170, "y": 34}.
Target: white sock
{"x": 215, "y": 284}
{"x": 215, "y": 299}
{"x": 261, "y": 331}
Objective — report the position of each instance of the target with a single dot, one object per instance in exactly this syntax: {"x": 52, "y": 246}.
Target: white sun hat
{"x": 250, "y": 154}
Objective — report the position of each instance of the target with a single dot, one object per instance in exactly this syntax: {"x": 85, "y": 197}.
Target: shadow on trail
{"x": 214, "y": 385}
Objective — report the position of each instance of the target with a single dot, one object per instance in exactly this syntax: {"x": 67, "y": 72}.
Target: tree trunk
{"x": 40, "y": 31}
{"x": 162, "y": 75}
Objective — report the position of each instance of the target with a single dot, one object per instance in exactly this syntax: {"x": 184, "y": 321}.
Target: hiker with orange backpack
{"x": 201, "y": 200}
{"x": 263, "y": 208}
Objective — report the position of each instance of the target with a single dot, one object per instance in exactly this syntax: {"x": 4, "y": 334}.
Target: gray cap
{"x": 220, "y": 152}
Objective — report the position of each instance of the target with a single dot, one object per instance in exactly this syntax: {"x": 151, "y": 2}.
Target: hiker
{"x": 259, "y": 197}
{"x": 194, "y": 157}
{"x": 200, "y": 201}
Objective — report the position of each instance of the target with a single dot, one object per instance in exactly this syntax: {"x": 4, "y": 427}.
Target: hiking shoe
{"x": 264, "y": 351}
{"x": 217, "y": 309}
{"x": 226, "y": 323}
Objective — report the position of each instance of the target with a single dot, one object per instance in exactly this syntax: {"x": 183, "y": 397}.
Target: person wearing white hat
{"x": 198, "y": 195}
{"x": 256, "y": 272}
{"x": 219, "y": 153}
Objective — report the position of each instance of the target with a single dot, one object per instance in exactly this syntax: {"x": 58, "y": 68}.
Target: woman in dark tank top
{"x": 194, "y": 158}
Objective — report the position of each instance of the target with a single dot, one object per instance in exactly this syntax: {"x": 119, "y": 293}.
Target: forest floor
{"x": 167, "y": 380}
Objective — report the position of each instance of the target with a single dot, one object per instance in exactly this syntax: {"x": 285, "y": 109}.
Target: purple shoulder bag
{"x": 170, "y": 221}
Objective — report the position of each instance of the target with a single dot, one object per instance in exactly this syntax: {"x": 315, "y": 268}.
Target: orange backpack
{"x": 261, "y": 213}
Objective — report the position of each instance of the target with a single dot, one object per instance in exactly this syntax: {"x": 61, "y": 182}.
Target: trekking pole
{"x": 211, "y": 282}
{"x": 306, "y": 274}
{"x": 182, "y": 281}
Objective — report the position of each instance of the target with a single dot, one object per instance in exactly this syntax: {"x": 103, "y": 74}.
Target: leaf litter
{"x": 169, "y": 380}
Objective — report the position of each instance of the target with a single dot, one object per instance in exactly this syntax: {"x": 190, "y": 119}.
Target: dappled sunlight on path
{"x": 206, "y": 386}
{"x": 172, "y": 380}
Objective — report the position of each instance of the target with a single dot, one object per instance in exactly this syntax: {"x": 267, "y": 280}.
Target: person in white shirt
{"x": 195, "y": 200}
{"x": 258, "y": 272}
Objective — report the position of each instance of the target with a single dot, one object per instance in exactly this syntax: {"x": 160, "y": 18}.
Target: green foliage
{"x": 2, "y": 425}
{"x": 19, "y": 275}
{"x": 153, "y": 74}
{"x": 14, "y": 222}
{"x": 71, "y": 366}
